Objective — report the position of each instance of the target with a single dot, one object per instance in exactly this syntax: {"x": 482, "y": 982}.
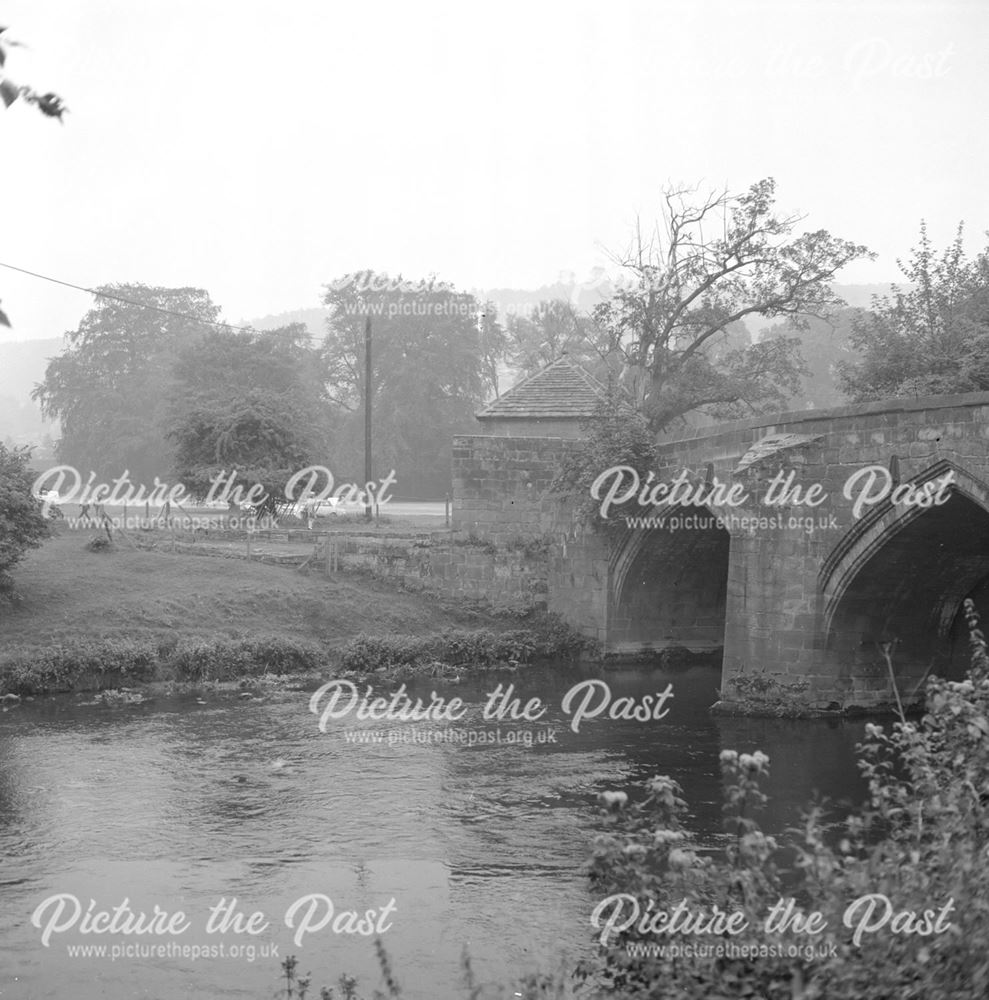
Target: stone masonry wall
{"x": 509, "y": 542}
{"x": 450, "y": 562}
{"x": 534, "y": 427}
{"x": 501, "y": 484}
{"x": 501, "y": 495}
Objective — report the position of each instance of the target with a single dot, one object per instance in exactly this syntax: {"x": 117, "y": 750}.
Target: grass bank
{"x": 84, "y": 620}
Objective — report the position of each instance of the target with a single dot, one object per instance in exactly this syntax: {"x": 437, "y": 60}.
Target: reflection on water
{"x": 180, "y": 804}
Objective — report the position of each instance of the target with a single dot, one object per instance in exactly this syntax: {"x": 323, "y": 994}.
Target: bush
{"x": 614, "y": 436}
{"x": 920, "y": 842}
{"x": 366, "y": 653}
{"x": 217, "y": 660}
{"x": 62, "y": 667}
{"x": 458, "y": 648}
{"x": 22, "y": 524}
{"x": 556, "y": 637}
{"x": 59, "y": 668}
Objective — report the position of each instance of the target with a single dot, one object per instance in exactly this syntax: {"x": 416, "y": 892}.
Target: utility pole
{"x": 367, "y": 418}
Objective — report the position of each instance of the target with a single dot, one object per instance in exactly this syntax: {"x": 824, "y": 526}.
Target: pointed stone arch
{"x": 899, "y": 576}
{"x": 874, "y": 531}
{"x": 669, "y": 587}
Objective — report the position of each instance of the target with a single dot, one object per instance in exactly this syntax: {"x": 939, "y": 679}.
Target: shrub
{"x": 59, "y": 668}
{"x": 556, "y": 637}
{"x": 366, "y": 653}
{"x": 614, "y": 436}
{"x": 458, "y": 648}
{"x": 217, "y": 660}
{"x": 22, "y": 523}
{"x": 649, "y": 855}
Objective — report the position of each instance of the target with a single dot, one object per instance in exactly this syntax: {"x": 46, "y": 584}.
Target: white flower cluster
{"x": 667, "y": 836}
{"x": 962, "y": 687}
{"x": 757, "y": 761}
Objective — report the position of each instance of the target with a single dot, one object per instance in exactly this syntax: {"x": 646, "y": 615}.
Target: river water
{"x": 183, "y": 802}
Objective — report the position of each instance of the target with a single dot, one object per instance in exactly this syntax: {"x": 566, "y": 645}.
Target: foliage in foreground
{"x": 50, "y": 105}
{"x": 920, "y": 842}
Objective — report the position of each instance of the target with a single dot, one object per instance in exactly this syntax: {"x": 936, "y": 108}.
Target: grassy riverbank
{"x": 85, "y": 620}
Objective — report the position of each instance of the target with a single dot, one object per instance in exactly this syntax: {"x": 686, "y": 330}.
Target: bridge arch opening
{"x": 906, "y": 594}
{"x": 670, "y": 589}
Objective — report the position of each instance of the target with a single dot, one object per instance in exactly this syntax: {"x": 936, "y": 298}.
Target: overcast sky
{"x": 259, "y": 150}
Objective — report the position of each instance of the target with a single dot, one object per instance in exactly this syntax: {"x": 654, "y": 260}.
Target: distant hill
{"x": 860, "y": 296}
{"x": 315, "y": 319}
{"x": 598, "y": 288}
{"x": 584, "y": 295}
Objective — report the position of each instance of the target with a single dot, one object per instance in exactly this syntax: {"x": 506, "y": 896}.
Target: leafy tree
{"x": 111, "y": 386}
{"x": 250, "y": 402}
{"x": 824, "y": 345}
{"x": 428, "y": 377}
{"x": 494, "y": 346}
{"x": 711, "y": 264}
{"x": 549, "y": 330}
{"x": 930, "y": 338}
{"x": 22, "y": 524}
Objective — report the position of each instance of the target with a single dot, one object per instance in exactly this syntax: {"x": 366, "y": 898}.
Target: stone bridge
{"x": 814, "y": 602}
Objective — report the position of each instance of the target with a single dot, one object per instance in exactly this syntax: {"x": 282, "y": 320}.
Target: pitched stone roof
{"x": 563, "y": 389}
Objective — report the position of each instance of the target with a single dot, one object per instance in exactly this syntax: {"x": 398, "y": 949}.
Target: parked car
{"x": 317, "y": 508}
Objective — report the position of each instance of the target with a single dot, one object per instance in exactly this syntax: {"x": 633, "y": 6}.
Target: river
{"x": 181, "y": 802}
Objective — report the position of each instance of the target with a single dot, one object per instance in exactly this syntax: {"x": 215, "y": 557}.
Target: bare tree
{"x": 676, "y": 319}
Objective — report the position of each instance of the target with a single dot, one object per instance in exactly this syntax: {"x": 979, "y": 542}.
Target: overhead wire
{"x": 127, "y": 301}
